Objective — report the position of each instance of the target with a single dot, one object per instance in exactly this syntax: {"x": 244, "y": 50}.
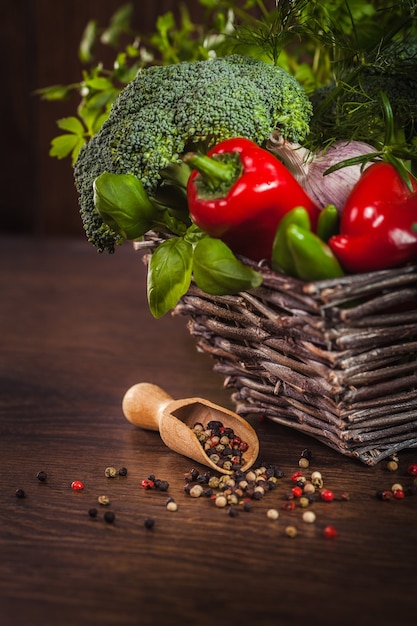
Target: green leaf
{"x": 64, "y": 145}
{"x": 123, "y": 204}
{"x": 85, "y": 51}
{"x": 217, "y": 271}
{"x": 99, "y": 83}
{"x": 72, "y": 124}
{"x": 55, "y": 92}
{"x": 169, "y": 275}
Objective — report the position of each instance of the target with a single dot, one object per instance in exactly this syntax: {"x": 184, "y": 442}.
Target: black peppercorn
{"x": 123, "y": 471}
{"x": 20, "y": 493}
{"x": 92, "y": 512}
{"x": 42, "y": 476}
{"x": 149, "y": 523}
{"x": 306, "y": 454}
{"x": 109, "y": 517}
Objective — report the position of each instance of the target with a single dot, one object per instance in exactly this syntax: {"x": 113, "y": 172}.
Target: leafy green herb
{"x": 169, "y": 275}
{"x": 124, "y": 204}
{"x": 217, "y": 271}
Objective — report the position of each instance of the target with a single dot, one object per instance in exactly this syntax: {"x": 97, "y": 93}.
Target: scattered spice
{"x": 123, "y": 471}
{"x": 110, "y": 472}
{"x": 149, "y": 523}
{"x": 77, "y": 485}
{"x": 291, "y": 531}
{"x": 309, "y": 517}
{"x": 20, "y": 493}
{"x": 42, "y": 476}
{"x": 103, "y": 500}
{"x": 109, "y": 517}
{"x": 92, "y": 512}
{"x": 272, "y": 514}
{"x": 330, "y": 532}
{"x": 412, "y": 469}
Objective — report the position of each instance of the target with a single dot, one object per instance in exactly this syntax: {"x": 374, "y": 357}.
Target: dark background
{"x": 39, "y": 42}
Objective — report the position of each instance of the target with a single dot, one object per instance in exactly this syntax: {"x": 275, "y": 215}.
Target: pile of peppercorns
{"x": 221, "y": 444}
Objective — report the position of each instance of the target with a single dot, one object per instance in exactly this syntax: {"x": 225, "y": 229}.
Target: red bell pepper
{"x": 376, "y": 227}
{"x": 239, "y": 192}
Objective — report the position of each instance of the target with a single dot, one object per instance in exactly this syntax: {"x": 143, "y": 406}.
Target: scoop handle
{"x": 143, "y": 404}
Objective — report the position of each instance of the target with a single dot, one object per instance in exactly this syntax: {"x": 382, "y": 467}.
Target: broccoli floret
{"x": 168, "y": 110}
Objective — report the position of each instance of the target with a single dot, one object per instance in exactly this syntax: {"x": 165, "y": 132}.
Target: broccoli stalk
{"x": 167, "y": 111}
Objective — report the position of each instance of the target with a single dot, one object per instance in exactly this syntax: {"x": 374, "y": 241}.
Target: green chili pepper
{"x": 313, "y": 258}
{"x": 328, "y": 222}
{"x": 282, "y": 259}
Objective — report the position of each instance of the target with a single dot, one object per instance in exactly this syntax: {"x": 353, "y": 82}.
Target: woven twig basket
{"x": 335, "y": 359}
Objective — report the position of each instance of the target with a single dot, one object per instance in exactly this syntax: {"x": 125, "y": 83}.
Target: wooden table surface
{"x": 75, "y": 335}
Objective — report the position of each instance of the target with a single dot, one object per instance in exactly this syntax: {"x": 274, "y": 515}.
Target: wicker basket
{"x": 335, "y": 359}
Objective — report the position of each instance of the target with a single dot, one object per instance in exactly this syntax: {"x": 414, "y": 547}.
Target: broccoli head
{"x": 168, "y": 110}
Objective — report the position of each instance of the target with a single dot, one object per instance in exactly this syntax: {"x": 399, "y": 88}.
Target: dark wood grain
{"x": 75, "y": 334}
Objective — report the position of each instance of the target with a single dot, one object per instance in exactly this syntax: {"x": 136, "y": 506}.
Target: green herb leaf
{"x": 65, "y": 145}
{"x": 217, "y": 271}
{"x": 169, "y": 275}
{"x": 123, "y": 204}
{"x": 71, "y": 124}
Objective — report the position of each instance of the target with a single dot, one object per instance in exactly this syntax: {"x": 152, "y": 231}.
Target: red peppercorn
{"x": 147, "y": 483}
{"x": 412, "y": 469}
{"x": 296, "y": 476}
{"x": 399, "y": 494}
{"x": 330, "y": 532}
{"x": 289, "y": 505}
{"x": 327, "y": 495}
{"x": 297, "y": 492}
{"x": 77, "y": 485}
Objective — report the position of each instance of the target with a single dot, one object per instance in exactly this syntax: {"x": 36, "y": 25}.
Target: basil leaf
{"x": 218, "y": 272}
{"x": 123, "y": 204}
{"x": 169, "y": 275}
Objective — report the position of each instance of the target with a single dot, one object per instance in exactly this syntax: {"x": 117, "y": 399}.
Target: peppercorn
{"x": 147, "y": 483}
{"x": 77, "y": 485}
{"x": 303, "y": 463}
{"x": 123, "y": 471}
{"x": 92, "y": 512}
{"x": 304, "y": 502}
{"x": 327, "y": 495}
{"x": 272, "y": 514}
{"x": 171, "y": 505}
{"x": 309, "y": 517}
{"x": 221, "y": 500}
{"x": 329, "y": 532}
{"x": 110, "y": 472}
{"x": 196, "y": 491}
{"x": 103, "y": 500}
{"x": 306, "y": 454}
{"x": 233, "y": 512}
{"x": 291, "y": 531}
{"x": 42, "y": 476}
{"x": 392, "y": 466}
{"x": 20, "y": 493}
{"x": 149, "y": 523}
{"x": 247, "y": 506}
{"x": 412, "y": 469}
{"x": 296, "y": 492}
{"x": 109, "y": 517}
{"x": 289, "y": 505}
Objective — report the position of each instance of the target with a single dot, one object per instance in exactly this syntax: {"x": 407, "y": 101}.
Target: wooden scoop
{"x": 150, "y": 407}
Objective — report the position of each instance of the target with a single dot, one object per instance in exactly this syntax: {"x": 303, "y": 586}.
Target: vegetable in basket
{"x": 239, "y": 193}
{"x": 301, "y": 253}
{"x": 168, "y": 110}
{"x": 376, "y": 230}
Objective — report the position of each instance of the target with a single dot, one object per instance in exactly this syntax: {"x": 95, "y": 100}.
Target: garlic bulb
{"x": 308, "y": 167}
